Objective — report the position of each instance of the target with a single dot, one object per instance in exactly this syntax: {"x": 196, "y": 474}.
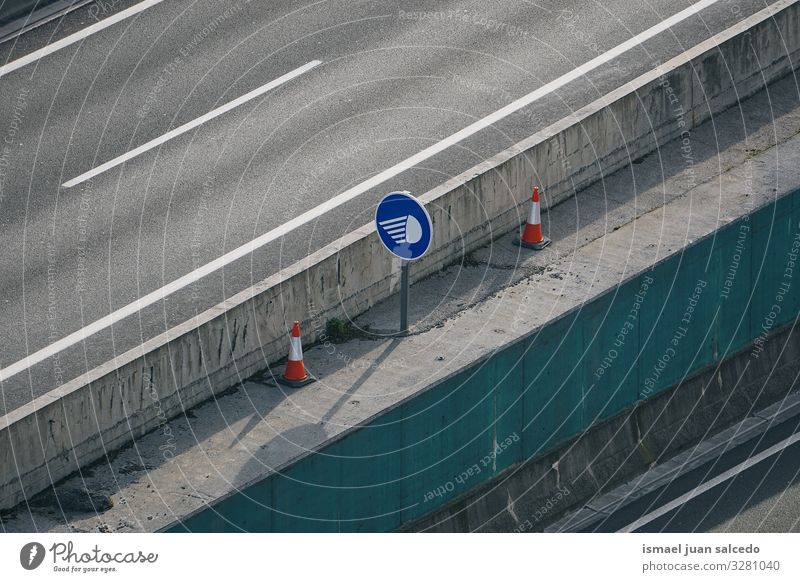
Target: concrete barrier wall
{"x": 576, "y": 372}
{"x": 79, "y": 422}
{"x": 11, "y": 10}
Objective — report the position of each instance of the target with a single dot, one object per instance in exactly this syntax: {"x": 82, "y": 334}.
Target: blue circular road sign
{"x": 404, "y": 225}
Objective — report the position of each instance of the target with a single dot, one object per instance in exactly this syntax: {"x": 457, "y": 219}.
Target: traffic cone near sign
{"x": 295, "y": 374}
{"x": 532, "y": 237}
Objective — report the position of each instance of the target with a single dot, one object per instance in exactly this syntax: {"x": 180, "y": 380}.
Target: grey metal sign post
{"x": 404, "y": 293}
{"x": 406, "y": 230}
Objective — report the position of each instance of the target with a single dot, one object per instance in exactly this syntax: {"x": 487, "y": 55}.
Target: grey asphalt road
{"x": 762, "y": 498}
{"x": 394, "y": 79}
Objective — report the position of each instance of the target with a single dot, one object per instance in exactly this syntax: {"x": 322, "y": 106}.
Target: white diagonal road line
{"x": 350, "y": 194}
{"x": 702, "y": 488}
{"x": 77, "y": 37}
{"x": 154, "y": 143}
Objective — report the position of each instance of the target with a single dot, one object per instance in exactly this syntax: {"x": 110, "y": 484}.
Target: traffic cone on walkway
{"x": 295, "y": 374}
{"x": 532, "y": 237}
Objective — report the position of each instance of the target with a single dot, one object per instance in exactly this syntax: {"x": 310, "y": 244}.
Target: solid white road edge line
{"x": 308, "y": 216}
{"x": 78, "y": 36}
{"x": 702, "y": 488}
{"x": 190, "y": 125}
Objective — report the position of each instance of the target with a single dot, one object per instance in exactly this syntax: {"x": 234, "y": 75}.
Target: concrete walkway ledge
{"x": 391, "y": 422}
{"x": 117, "y": 403}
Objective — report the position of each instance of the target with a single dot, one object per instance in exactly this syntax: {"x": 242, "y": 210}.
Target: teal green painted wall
{"x": 538, "y": 391}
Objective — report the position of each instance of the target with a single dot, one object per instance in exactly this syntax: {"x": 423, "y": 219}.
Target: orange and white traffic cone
{"x": 532, "y": 237}
{"x": 295, "y": 374}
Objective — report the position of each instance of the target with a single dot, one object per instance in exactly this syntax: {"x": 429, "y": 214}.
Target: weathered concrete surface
{"x": 120, "y": 401}
{"x": 604, "y": 235}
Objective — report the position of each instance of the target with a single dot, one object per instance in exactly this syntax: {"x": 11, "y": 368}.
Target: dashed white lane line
{"x": 191, "y": 125}
{"x": 347, "y": 195}
{"x": 710, "y": 484}
{"x": 77, "y": 37}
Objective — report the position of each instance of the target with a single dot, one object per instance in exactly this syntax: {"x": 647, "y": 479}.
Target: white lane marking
{"x": 190, "y": 125}
{"x": 703, "y": 487}
{"x": 340, "y": 199}
{"x": 78, "y": 36}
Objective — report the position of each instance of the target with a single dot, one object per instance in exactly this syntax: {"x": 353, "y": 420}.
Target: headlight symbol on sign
{"x": 405, "y": 229}
{"x": 404, "y": 225}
